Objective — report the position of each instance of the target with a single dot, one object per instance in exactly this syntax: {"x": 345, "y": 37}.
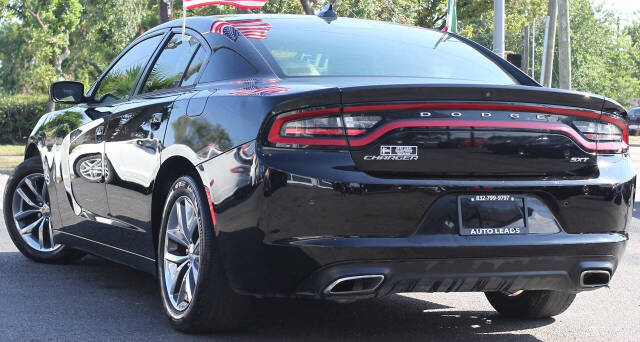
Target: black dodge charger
{"x": 340, "y": 159}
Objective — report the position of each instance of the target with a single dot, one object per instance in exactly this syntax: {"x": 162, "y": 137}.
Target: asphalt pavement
{"x": 97, "y": 300}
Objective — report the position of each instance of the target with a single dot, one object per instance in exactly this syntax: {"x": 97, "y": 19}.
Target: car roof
{"x": 203, "y": 23}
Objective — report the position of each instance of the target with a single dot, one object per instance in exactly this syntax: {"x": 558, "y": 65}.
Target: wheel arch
{"x": 31, "y": 151}
{"x": 170, "y": 170}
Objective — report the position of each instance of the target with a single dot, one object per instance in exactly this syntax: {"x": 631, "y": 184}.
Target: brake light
{"x": 609, "y": 136}
{"x": 318, "y": 128}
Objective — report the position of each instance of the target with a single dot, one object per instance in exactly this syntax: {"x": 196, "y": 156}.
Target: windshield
{"x": 347, "y": 47}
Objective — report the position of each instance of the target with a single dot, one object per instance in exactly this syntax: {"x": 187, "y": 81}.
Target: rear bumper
{"x": 556, "y": 267}
{"x": 299, "y": 220}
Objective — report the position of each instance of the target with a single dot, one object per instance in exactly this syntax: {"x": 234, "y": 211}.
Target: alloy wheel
{"x": 182, "y": 253}
{"x": 91, "y": 169}
{"x": 32, "y": 213}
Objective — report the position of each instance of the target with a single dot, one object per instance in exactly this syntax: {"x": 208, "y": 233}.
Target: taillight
{"x": 313, "y": 127}
{"x": 324, "y": 128}
{"x": 358, "y": 124}
{"x": 609, "y": 137}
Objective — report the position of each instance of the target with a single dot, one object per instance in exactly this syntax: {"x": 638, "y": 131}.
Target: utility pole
{"x": 550, "y": 44}
{"x": 525, "y": 50}
{"x": 543, "y": 64}
{"x": 306, "y": 7}
{"x": 165, "y": 9}
{"x": 498, "y": 27}
{"x": 564, "y": 44}
{"x": 533, "y": 49}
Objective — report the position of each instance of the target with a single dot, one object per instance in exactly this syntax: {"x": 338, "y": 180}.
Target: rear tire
{"x": 531, "y": 304}
{"x": 27, "y": 215}
{"x": 207, "y": 303}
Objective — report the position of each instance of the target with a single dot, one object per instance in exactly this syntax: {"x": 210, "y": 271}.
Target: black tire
{"x": 214, "y": 306}
{"x": 61, "y": 255}
{"x": 531, "y": 304}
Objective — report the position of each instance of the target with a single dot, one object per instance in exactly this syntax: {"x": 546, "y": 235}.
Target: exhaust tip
{"x": 362, "y": 284}
{"x": 595, "y": 278}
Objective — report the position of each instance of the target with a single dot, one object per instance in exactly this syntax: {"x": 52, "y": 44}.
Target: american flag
{"x": 257, "y": 87}
{"x": 251, "y": 29}
{"x": 226, "y": 29}
{"x": 249, "y": 4}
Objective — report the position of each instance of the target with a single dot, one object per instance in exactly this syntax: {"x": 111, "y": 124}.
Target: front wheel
{"x": 27, "y": 215}
{"x": 531, "y": 304}
{"x": 195, "y": 290}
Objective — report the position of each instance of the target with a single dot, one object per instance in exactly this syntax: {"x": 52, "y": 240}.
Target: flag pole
{"x": 451, "y": 23}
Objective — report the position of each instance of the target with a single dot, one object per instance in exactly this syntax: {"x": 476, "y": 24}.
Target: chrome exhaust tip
{"x": 362, "y": 284}
{"x": 595, "y": 278}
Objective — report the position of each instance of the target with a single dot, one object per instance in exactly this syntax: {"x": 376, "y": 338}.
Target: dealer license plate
{"x": 492, "y": 214}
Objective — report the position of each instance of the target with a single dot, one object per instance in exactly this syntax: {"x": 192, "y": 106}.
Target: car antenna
{"x": 327, "y": 13}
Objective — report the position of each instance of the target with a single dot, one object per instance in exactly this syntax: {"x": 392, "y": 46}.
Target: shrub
{"x": 18, "y": 115}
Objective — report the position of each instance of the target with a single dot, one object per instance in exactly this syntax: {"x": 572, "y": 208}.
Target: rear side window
{"x": 349, "y": 47}
{"x": 172, "y": 63}
{"x": 227, "y": 64}
{"x": 119, "y": 81}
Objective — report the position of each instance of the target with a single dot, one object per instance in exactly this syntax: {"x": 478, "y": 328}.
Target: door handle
{"x": 156, "y": 121}
{"x": 99, "y": 133}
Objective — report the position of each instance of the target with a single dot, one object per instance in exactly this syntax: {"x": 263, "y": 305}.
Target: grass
{"x": 11, "y": 156}
{"x": 11, "y": 150}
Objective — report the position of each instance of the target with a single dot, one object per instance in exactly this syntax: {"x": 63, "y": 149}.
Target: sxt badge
{"x": 389, "y": 152}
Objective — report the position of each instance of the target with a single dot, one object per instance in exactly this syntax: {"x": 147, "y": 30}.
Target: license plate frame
{"x": 489, "y": 214}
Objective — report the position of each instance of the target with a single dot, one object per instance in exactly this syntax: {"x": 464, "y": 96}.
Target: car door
{"x": 83, "y": 169}
{"x": 134, "y": 139}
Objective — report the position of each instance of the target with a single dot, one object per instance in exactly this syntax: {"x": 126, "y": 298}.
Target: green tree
{"x": 105, "y": 28}
{"x": 47, "y": 25}
{"x": 15, "y": 59}
{"x": 602, "y": 61}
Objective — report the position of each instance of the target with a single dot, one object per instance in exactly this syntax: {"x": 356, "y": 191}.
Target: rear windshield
{"x": 347, "y": 47}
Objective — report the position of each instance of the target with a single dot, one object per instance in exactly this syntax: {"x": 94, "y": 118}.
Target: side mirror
{"x": 69, "y": 92}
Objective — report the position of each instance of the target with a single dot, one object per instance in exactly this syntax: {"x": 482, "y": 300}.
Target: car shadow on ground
{"x": 98, "y": 299}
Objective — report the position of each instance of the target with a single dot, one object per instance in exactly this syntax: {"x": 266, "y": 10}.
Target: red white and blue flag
{"x": 191, "y": 4}
{"x": 248, "y": 4}
{"x": 251, "y": 29}
{"x": 261, "y": 87}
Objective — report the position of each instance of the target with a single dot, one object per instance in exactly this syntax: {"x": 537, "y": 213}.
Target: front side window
{"x": 348, "y": 47}
{"x": 119, "y": 81}
{"x": 196, "y": 64}
{"x": 168, "y": 70}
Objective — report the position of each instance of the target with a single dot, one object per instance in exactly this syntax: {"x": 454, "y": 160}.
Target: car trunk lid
{"x": 451, "y": 131}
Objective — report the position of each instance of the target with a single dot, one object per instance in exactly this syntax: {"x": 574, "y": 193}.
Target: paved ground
{"x": 99, "y": 300}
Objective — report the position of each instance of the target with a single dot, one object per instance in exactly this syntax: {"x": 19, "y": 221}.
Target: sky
{"x": 623, "y": 8}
